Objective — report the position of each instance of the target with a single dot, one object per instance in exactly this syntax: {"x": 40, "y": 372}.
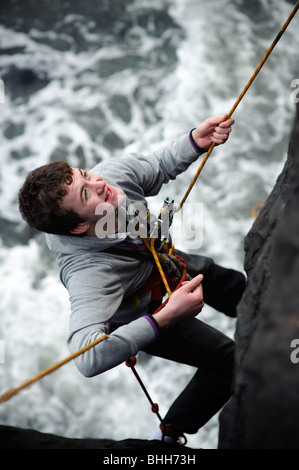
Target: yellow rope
{"x": 10, "y": 393}
{"x": 153, "y": 251}
{"x": 6, "y": 396}
{"x": 240, "y": 99}
{"x": 255, "y": 210}
{"x": 151, "y": 247}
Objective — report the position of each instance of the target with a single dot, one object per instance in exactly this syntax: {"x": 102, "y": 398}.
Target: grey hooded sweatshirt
{"x": 100, "y": 283}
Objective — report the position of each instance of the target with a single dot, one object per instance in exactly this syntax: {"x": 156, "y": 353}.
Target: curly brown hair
{"x": 40, "y": 195}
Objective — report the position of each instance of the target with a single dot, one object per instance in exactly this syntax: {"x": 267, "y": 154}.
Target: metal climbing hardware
{"x": 163, "y": 224}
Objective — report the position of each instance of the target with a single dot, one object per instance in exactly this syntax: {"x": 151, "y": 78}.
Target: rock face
{"x": 264, "y": 411}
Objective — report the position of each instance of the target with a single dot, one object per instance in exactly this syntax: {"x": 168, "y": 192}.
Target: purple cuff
{"x": 194, "y": 145}
{"x": 153, "y": 324}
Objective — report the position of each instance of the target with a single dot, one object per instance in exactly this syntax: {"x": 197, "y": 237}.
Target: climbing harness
{"x": 161, "y": 249}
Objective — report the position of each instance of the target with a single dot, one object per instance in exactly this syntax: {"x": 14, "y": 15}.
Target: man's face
{"x": 84, "y": 195}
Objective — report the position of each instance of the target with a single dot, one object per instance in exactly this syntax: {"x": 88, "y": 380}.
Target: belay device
{"x": 164, "y": 222}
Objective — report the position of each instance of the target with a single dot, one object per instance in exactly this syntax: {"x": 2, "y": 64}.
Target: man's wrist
{"x": 196, "y": 147}
{"x": 165, "y": 317}
{"x": 162, "y": 320}
{"x": 154, "y": 324}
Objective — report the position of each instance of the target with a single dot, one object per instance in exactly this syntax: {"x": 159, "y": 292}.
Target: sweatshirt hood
{"x": 70, "y": 244}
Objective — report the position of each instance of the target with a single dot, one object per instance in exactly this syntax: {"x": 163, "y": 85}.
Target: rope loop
{"x": 256, "y": 210}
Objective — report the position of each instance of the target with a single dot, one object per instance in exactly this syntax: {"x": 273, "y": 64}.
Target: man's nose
{"x": 98, "y": 186}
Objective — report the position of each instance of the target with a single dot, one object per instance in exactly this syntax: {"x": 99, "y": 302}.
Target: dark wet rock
{"x": 59, "y": 154}
{"x": 121, "y": 107}
{"x": 92, "y": 121}
{"x": 12, "y": 50}
{"x": 12, "y": 129}
{"x": 21, "y": 83}
{"x": 16, "y": 438}
{"x": 155, "y": 22}
{"x": 107, "y": 67}
{"x": 65, "y": 140}
{"x": 50, "y": 14}
{"x": 14, "y": 233}
{"x": 79, "y": 152}
{"x": 112, "y": 141}
{"x": 21, "y": 154}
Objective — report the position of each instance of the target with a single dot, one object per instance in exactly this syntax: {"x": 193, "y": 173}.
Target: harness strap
{"x": 174, "y": 267}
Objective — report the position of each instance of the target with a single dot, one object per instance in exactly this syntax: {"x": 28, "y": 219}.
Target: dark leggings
{"x": 194, "y": 343}
{"x": 223, "y": 288}
{"x": 197, "y": 344}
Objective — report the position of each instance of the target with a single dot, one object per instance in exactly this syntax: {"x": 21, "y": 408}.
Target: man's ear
{"x": 81, "y": 228}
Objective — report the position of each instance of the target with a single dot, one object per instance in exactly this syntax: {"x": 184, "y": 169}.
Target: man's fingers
{"x": 221, "y": 120}
{"x": 227, "y": 123}
{"x": 221, "y": 134}
{"x": 211, "y": 123}
{"x": 221, "y": 123}
{"x": 223, "y": 130}
{"x": 194, "y": 283}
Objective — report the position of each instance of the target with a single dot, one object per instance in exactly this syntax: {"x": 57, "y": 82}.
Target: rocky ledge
{"x": 16, "y": 438}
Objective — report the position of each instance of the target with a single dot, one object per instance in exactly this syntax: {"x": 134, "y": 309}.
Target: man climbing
{"x": 109, "y": 273}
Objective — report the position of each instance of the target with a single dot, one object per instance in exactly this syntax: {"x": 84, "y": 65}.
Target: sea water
{"x": 105, "y": 89}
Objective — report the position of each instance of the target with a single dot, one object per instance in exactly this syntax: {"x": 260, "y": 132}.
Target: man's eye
{"x": 85, "y": 194}
{"x": 85, "y": 174}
